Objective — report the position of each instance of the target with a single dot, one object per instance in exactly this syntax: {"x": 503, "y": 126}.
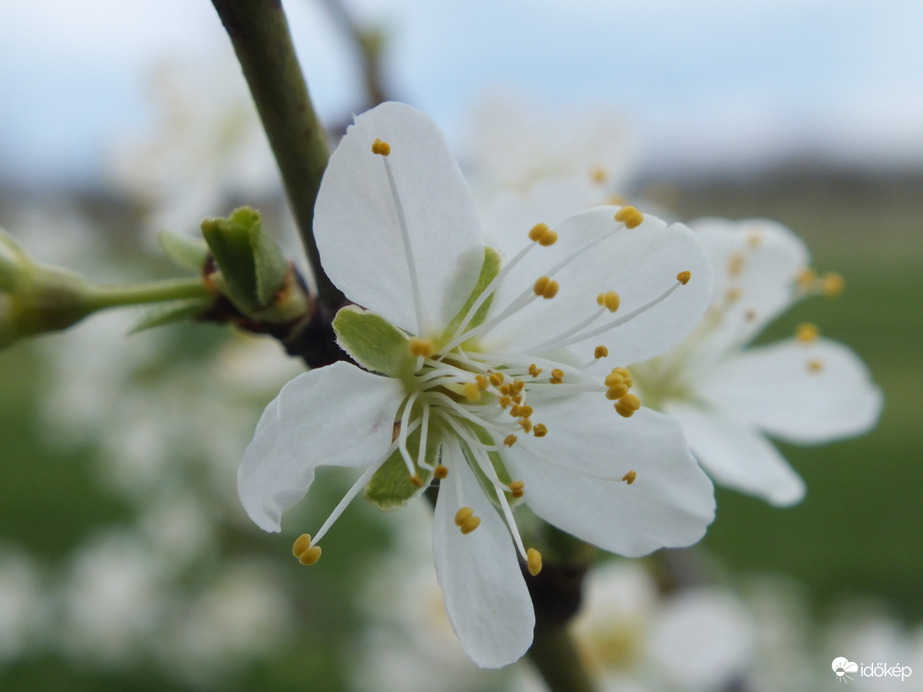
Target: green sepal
{"x": 187, "y": 252}
{"x": 489, "y": 270}
{"x": 253, "y": 268}
{"x": 373, "y": 342}
{"x": 390, "y": 487}
{"x": 168, "y": 314}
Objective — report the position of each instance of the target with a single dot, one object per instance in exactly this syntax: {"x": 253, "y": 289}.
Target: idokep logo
{"x": 843, "y": 666}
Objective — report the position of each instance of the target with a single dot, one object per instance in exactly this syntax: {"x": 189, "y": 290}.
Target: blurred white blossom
{"x": 730, "y": 395}
{"x": 207, "y": 152}
{"x": 634, "y": 638}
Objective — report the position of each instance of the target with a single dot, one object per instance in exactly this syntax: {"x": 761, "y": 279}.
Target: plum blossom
{"x": 499, "y": 373}
{"x": 729, "y": 397}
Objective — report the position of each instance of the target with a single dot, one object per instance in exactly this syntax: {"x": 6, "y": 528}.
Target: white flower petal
{"x": 512, "y": 212}
{"x": 486, "y": 597}
{"x": 337, "y": 415}
{"x": 669, "y": 504}
{"x": 587, "y": 437}
{"x": 759, "y": 261}
{"x": 639, "y": 264}
{"x": 803, "y": 393}
{"x": 738, "y": 456}
{"x": 358, "y": 230}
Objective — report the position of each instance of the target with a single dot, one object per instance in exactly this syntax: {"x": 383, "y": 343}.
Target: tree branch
{"x": 260, "y": 35}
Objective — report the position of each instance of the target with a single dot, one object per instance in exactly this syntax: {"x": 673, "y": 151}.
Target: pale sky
{"x": 707, "y": 84}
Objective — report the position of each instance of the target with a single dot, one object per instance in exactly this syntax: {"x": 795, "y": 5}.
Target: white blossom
{"x": 489, "y": 369}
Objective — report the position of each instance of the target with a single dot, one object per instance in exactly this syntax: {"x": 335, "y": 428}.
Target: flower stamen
{"x": 807, "y": 333}
{"x": 534, "y": 561}
{"x": 384, "y": 149}
{"x": 466, "y": 520}
{"x": 304, "y": 551}
{"x": 545, "y": 288}
{"x": 630, "y": 217}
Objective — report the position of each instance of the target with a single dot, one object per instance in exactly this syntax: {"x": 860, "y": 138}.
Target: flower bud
{"x": 34, "y": 297}
{"x": 249, "y": 268}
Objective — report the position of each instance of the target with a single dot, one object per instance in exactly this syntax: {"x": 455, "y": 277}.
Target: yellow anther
{"x": 310, "y": 556}
{"x": 807, "y": 332}
{"x": 806, "y": 279}
{"x": 534, "y": 561}
{"x": 472, "y": 392}
{"x": 526, "y": 425}
{"x": 463, "y": 515}
{"x": 440, "y": 472}
{"x": 630, "y": 477}
{"x": 304, "y": 551}
{"x": 416, "y": 480}
{"x": 422, "y": 347}
{"x": 506, "y": 389}
{"x": 735, "y": 264}
{"x": 504, "y": 401}
{"x": 509, "y": 440}
{"x": 381, "y": 148}
{"x": 516, "y": 488}
{"x": 631, "y": 217}
{"x": 518, "y": 386}
{"x": 482, "y": 382}
{"x": 550, "y": 238}
{"x": 815, "y": 365}
{"x": 557, "y": 376}
{"x": 521, "y": 411}
{"x": 470, "y": 525}
{"x": 534, "y": 370}
{"x": 616, "y": 392}
{"x": 614, "y": 379}
{"x": 600, "y": 352}
{"x": 623, "y": 410}
{"x": 545, "y": 287}
{"x": 627, "y": 405}
{"x": 496, "y": 378}
{"x": 625, "y": 373}
{"x": 517, "y": 399}
{"x": 543, "y": 235}
{"x": 683, "y": 277}
{"x": 832, "y": 284}
{"x": 631, "y": 401}
{"x": 538, "y": 230}
{"x": 540, "y": 430}
{"x": 609, "y": 300}
{"x": 302, "y": 543}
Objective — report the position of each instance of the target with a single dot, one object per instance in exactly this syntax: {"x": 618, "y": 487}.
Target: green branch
{"x": 102, "y": 297}
{"x": 555, "y": 656}
{"x": 260, "y": 35}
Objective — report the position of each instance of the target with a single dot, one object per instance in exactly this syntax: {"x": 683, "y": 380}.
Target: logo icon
{"x": 841, "y": 666}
